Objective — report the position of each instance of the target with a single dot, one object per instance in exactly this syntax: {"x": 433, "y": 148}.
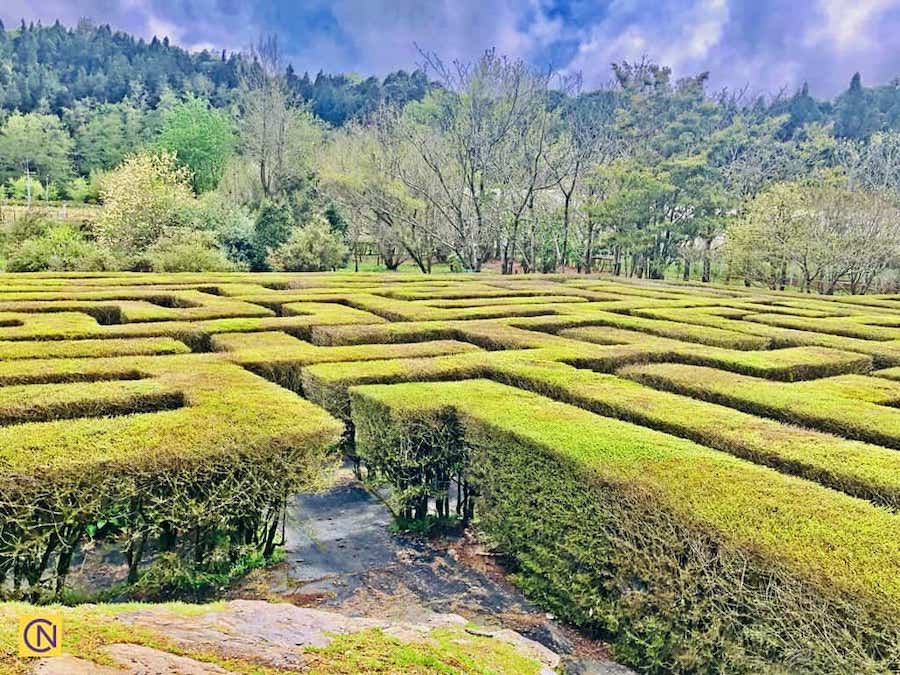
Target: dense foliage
{"x": 54, "y": 68}
{"x": 489, "y": 163}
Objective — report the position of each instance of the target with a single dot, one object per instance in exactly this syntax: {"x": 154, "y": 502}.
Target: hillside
{"x": 53, "y": 68}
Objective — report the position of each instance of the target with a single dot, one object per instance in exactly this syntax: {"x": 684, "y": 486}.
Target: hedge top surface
{"x": 835, "y": 539}
{"x": 692, "y": 389}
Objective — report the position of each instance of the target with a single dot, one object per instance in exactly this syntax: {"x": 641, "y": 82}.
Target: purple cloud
{"x": 765, "y": 44}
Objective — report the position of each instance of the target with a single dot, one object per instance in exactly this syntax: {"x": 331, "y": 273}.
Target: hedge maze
{"x": 708, "y": 477}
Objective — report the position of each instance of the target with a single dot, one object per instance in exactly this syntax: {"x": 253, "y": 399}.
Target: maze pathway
{"x": 712, "y": 457}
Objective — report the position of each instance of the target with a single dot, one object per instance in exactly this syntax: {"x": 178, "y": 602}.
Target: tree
{"x": 36, "y": 145}
{"x": 855, "y": 116}
{"x": 141, "y": 199}
{"x": 774, "y": 232}
{"x": 277, "y": 135}
{"x": 355, "y": 169}
{"x": 311, "y": 248}
{"x": 201, "y": 138}
{"x": 105, "y": 134}
{"x": 854, "y": 237}
{"x": 274, "y": 224}
{"x": 471, "y": 150}
{"x": 586, "y": 136}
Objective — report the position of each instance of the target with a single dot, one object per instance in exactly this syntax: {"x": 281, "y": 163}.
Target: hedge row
{"x": 832, "y": 326}
{"x": 884, "y": 353}
{"x": 808, "y": 404}
{"x": 279, "y": 357}
{"x": 686, "y": 558}
{"x": 207, "y": 480}
{"x": 37, "y": 329}
{"x": 868, "y": 471}
{"x": 706, "y": 335}
{"x": 789, "y": 364}
{"x": 90, "y": 348}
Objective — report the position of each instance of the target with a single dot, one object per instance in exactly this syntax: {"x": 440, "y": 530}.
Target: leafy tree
{"x": 855, "y": 116}
{"x": 774, "y": 232}
{"x": 37, "y": 145}
{"x": 105, "y": 134}
{"x": 311, "y": 248}
{"x": 201, "y": 138}
{"x": 274, "y": 224}
{"x": 146, "y": 195}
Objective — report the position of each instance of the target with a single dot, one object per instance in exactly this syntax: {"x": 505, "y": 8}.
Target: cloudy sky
{"x": 766, "y": 44}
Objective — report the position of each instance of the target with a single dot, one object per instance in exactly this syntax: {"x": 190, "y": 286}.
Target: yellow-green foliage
{"x": 820, "y": 404}
{"x": 708, "y": 474}
{"x": 656, "y": 539}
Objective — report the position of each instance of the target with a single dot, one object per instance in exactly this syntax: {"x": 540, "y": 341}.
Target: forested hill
{"x": 53, "y": 68}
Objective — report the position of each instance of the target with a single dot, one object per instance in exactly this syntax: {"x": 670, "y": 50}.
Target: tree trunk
{"x": 565, "y": 242}
{"x": 707, "y": 261}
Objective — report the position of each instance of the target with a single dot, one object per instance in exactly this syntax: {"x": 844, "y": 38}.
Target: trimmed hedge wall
{"x": 662, "y": 545}
{"x": 206, "y": 479}
{"x": 707, "y": 475}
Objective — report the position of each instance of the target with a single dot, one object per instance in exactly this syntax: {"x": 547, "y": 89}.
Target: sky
{"x": 763, "y": 45}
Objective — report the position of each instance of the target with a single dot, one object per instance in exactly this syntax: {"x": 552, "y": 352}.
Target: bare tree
{"x": 277, "y": 134}
{"x": 472, "y": 151}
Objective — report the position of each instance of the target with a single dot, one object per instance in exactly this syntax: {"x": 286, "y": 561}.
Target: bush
{"x": 183, "y": 250}
{"x": 78, "y": 190}
{"x": 686, "y": 558}
{"x": 19, "y": 188}
{"x": 312, "y": 248}
{"x": 60, "y": 248}
{"x": 141, "y": 199}
{"x": 232, "y": 225}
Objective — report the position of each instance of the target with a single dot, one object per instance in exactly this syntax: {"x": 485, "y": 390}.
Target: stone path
{"x": 342, "y": 555}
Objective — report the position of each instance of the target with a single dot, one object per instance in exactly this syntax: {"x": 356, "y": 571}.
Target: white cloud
{"x": 681, "y": 37}
{"x": 845, "y": 23}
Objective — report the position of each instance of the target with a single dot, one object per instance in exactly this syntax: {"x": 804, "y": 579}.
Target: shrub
{"x": 61, "y": 248}
{"x": 686, "y": 558}
{"x": 78, "y": 190}
{"x": 311, "y": 248}
{"x": 183, "y": 250}
{"x": 141, "y": 199}
{"x": 20, "y": 186}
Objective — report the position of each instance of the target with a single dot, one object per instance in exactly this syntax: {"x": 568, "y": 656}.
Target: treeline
{"x": 468, "y": 165}
{"x": 53, "y": 69}
{"x": 512, "y": 167}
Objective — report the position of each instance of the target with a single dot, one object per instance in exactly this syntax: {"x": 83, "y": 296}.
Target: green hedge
{"x": 860, "y": 469}
{"x": 788, "y": 364}
{"x": 205, "y": 480}
{"x": 686, "y": 558}
{"x": 839, "y": 407}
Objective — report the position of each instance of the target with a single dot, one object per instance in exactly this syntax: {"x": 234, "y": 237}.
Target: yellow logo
{"x": 40, "y": 635}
